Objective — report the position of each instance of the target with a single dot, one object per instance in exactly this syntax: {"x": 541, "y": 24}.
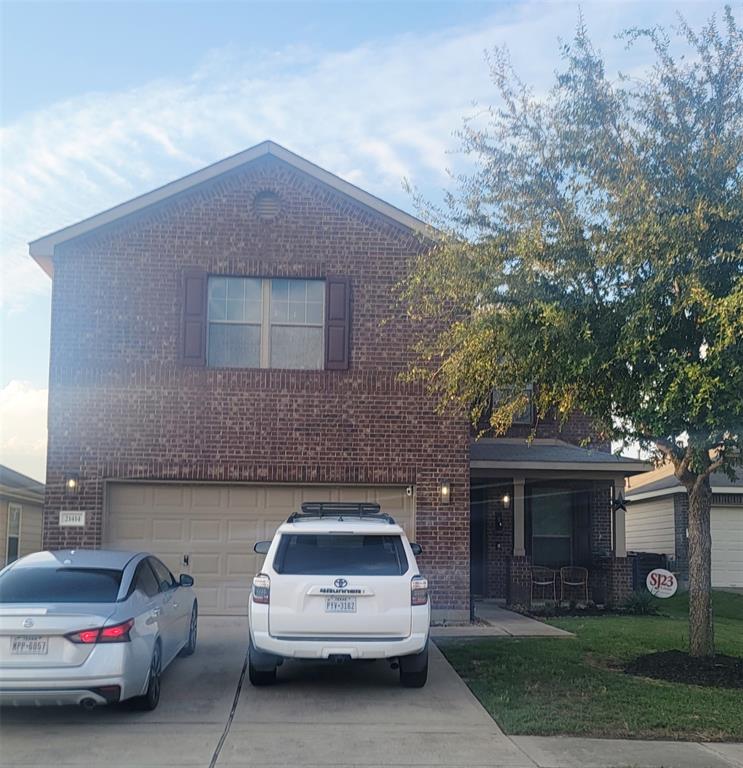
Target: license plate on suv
{"x": 340, "y": 604}
{"x": 29, "y": 645}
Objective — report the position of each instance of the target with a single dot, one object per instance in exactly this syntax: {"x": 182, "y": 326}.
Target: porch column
{"x": 519, "y": 550}
{"x": 620, "y": 541}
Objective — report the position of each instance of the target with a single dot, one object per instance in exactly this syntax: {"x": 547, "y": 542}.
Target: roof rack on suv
{"x": 340, "y": 509}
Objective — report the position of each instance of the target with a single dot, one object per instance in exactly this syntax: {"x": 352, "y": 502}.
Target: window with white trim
{"x": 13, "y": 538}
{"x": 265, "y": 323}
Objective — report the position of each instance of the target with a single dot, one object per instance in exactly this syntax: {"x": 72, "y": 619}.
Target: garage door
{"x": 727, "y": 546}
{"x": 209, "y": 530}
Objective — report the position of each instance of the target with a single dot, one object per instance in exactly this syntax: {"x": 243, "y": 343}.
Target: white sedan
{"x": 91, "y": 627}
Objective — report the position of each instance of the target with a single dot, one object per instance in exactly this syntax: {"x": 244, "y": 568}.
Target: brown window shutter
{"x": 337, "y": 323}
{"x": 193, "y": 317}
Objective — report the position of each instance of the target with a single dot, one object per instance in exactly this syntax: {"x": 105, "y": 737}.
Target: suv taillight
{"x": 418, "y": 590}
{"x": 117, "y": 633}
{"x": 261, "y": 589}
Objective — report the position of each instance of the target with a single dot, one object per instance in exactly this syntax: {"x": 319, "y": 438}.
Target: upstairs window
{"x": 265, "y": 323}
{"x": 526, "y": 416}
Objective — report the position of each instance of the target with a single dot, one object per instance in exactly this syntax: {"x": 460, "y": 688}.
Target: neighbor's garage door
{"x": 209, "y": 530}
{"x": 727, "y": 546}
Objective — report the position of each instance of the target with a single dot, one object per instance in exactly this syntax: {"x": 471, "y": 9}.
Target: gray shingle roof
{"x": 16, "y": 481}
{"x": 670, "y": 483}
{"x": 555, "y": 452}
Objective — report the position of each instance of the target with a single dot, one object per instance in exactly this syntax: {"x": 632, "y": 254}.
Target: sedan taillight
{"x": 261, "y": 589}
{"x": 116, "y": 633}
{"x": 418, "y": 590}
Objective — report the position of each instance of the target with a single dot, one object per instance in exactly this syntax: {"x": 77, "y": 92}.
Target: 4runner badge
{"x": 340, "y": 583}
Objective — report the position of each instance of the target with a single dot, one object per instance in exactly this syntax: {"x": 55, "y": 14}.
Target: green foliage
{"x": 641, "y": 603}
{"x": 597, "y": 250}
{"x": 549, "y": 686}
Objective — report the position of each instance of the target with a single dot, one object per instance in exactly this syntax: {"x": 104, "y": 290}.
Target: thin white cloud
{"x": 372, "y": 114}
{"x": 23, "y": 411}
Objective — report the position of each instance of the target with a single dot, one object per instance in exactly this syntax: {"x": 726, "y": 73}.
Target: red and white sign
{"x": 661, "y": 583}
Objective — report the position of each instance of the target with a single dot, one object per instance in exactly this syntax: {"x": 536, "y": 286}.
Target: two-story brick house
{"x": 230, "y": 345}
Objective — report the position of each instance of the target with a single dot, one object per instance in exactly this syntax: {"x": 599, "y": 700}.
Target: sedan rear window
{"x": 59, "y": 585}
{"x": 342, "y": 554}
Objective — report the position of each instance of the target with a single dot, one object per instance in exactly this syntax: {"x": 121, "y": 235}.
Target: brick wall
{"x": 122, "y": 406}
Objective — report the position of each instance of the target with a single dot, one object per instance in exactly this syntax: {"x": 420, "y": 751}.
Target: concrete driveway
{"x": 315, "y": 716}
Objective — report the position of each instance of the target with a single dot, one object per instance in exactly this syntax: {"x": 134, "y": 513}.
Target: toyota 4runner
{"x": 339, "y": 582}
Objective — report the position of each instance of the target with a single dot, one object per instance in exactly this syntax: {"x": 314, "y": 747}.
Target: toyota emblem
{"x": 340, "y": 583}
{"x": 28, "y": 623}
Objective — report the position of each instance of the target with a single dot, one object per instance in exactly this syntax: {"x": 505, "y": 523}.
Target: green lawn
{"x": 576, "y": 686}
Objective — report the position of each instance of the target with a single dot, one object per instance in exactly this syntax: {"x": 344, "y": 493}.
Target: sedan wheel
{"x": 151, "y": 698}
{"x": 189, "y": 648}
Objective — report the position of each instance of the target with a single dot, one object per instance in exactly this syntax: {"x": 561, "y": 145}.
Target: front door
{"x": 478, "y": 541}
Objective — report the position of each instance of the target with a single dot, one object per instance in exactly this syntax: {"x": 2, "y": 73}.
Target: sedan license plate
{"x": 340, "y": 604}
{"x": 29, "y": 645}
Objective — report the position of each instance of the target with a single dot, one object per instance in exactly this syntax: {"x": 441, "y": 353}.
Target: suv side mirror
{"x": 185, "y": 580}
{"x": 262, "y": 547}
{"x": 417, "y": 549}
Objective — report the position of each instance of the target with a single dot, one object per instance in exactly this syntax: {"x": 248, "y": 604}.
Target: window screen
{"x": 262, "y": 323}
{"x": 552, "y": 526}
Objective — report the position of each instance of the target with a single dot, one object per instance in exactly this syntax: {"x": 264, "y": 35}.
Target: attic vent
{"x": 267, "y": 205}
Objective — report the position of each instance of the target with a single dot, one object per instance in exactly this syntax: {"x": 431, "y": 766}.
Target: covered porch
{"x": 538, "y": 508}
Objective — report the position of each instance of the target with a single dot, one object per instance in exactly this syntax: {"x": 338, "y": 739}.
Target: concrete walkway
{"x": 569, "y": 752}
{"x": 500, "y": 622}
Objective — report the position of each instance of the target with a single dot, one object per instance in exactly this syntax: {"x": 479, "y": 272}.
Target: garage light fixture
{"x": 506, "y": 501}
{"x": 71, "y": 484}
{"x": 445, "y": 491}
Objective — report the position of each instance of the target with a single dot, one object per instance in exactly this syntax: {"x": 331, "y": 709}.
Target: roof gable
{"x": 42, "y": 249}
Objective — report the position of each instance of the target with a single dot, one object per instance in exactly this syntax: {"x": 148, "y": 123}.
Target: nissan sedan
{"x": 91, "y": 627}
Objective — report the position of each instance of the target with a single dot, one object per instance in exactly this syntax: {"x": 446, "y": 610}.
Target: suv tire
{"x": 414, "y": 669}
{"x": 259, "y": 677}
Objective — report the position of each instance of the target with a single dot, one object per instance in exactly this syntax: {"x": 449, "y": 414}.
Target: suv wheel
{"x": 261, "y": 676}
{"x": 414, "y": 669}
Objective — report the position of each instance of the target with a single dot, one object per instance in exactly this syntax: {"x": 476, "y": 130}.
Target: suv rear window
{"x": 59, "y": 585}
{"x": 346, "y": 554}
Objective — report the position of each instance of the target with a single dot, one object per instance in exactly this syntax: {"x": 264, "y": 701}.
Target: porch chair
{"x": 574, "y": 576}
{"x": 543, "y": 578}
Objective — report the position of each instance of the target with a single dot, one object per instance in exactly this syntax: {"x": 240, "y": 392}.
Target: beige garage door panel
{"x": 215, "y": 527}
{"x": 727, "y": 546}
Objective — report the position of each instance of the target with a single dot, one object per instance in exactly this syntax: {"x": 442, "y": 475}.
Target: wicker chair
{"x": 544, "y": 578}
{"x": 576, "y": 578}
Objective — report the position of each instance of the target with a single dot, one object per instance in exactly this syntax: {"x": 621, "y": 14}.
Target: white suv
{"x": 339, "y": 582}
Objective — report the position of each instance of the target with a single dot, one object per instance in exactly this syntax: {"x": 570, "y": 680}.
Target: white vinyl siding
{"x": 727, "y": 546}
{"x": 650, "y": 526}
{"x": 30, "y": 538}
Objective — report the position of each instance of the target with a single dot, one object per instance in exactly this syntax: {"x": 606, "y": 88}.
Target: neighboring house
{"x": 658, "y": 520}
{"x": 21, "y": 505}
{"x": 231, "y": 344}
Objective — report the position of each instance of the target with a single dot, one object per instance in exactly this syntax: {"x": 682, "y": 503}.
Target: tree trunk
{"x": 701, "y": 627}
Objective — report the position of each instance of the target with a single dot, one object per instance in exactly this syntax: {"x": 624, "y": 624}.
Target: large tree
{"x": 596, "y": 249}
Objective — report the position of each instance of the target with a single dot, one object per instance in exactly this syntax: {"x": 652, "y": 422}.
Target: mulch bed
{"x": 678, "y": 667}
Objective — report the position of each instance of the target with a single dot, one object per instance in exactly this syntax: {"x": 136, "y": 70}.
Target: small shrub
{"x": 641, "y": 603}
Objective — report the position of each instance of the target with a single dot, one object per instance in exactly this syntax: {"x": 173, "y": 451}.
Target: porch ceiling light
{"x": 445, "y": 491}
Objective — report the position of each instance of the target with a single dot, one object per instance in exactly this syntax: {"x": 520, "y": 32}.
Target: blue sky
{"x": 103, "y": 101}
